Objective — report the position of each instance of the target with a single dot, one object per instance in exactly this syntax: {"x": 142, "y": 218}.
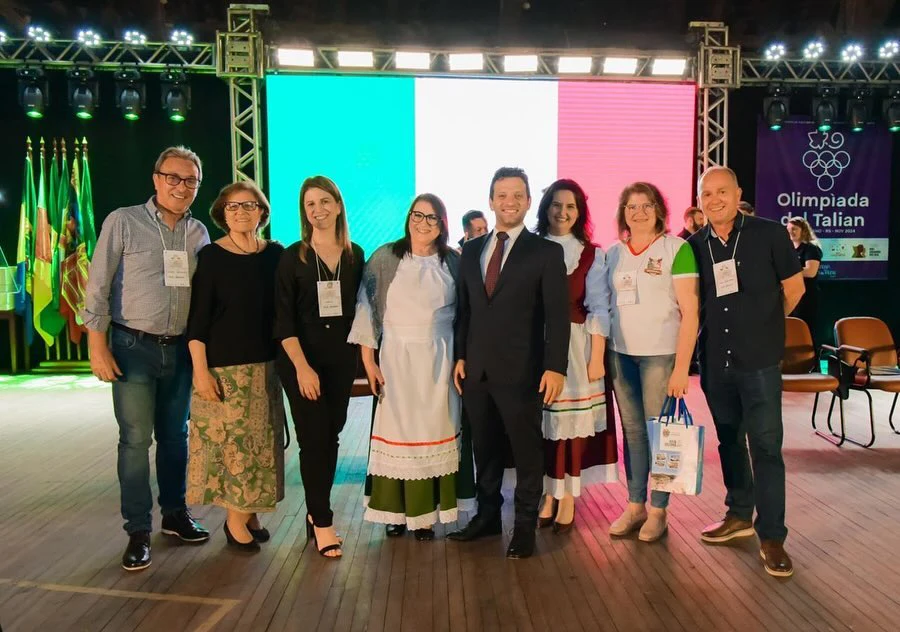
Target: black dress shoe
{"x": 521, "y": 545}
{"x": 137, "y": 553}
{"x": 183, "y": 525}
{"x": 423, "y": 535}
{"x": 248, "y": 547}
{"x": 479, "y": 527}
{"x": 260, "y": 535}
{"x": 395, "y": 530}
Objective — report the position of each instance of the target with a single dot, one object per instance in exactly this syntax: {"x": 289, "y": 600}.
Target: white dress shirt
{"x": 492, "y": 244}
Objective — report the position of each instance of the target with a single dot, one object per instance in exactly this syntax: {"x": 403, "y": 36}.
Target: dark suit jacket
{"x": 523, "y": 330}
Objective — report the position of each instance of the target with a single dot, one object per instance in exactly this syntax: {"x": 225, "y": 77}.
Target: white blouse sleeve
{"x": 596, "y": 296}
{"x": 363, "y": 330}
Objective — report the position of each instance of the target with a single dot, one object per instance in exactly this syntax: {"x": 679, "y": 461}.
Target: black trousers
{"x": 495, "y": 412}
{"x": 318, "y": 423}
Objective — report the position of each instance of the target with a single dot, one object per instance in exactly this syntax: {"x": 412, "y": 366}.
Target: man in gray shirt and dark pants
{"x": 139, "y": 287}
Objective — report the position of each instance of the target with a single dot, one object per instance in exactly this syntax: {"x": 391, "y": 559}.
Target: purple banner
{"x": 840, "y": 182}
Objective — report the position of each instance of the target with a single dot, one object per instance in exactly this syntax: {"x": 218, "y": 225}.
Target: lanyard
{"x": 161, "y": 239}
{"x": 736, "y": 242}
{"x": 320, "y": 264}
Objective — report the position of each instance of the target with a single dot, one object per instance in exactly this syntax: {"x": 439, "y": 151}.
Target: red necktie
{"x": 492, "y": 274}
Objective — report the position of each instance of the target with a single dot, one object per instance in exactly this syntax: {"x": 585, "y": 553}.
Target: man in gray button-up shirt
{"x": 139, "y": 292}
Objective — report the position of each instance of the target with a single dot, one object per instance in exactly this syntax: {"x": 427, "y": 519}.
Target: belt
{"x": 143, "y": 335}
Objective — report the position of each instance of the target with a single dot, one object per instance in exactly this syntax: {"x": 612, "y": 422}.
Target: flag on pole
{"x": 24, "y": 249}
{"x": 71, "y": 247}
{"x": 51, "y": 320}
{"x": 43, "y": 263}
{"x": 86, "y": 205}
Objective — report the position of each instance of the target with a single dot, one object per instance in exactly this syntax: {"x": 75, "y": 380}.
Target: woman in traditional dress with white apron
{"x": 420, "y": 466}
{"x": 579, "y": 427}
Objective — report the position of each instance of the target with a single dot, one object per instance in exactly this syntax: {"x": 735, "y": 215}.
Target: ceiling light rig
{"x": 88, "y": 38}
{"x": 135, "y": 38}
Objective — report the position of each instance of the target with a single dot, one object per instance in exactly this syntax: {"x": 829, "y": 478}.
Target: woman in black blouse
{"x": 807, "y": 248}
{"x": 236, "y": 453}
{"x": 317, "y": 281}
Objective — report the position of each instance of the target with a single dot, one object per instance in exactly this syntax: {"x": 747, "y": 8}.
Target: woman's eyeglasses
{"x": 248, "y": 206}
{"x": 634, "y": 208}
{"x": 417, "y": 217}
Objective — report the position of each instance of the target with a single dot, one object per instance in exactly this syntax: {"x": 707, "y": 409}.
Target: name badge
{"x": 175, "y": 266}
{"x": 329, "y": 298}
{"x": 626, "y": 287}
{"x": 725, "y": 274}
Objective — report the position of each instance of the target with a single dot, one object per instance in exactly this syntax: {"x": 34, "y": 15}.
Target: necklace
{"x": 246, "y": 252}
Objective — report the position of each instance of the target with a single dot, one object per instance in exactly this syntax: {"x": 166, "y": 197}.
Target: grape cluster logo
{"x": 825, "y": 159}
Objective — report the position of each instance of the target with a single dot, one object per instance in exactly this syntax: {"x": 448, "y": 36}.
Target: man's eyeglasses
{"x": 634, "y": 208}
{"x": 417, "y": 217}
{"x": 173, "y": 179}
{"x": 249, "y": 206}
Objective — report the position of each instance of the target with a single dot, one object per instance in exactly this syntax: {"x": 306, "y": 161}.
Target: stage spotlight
{"x": 465, "y": 61}
{"x": 776, "y": 107}
{"x": 851, "y": 53}
{"x": 176, "y": 95}
{"x": 33, "y": 95}
{"x": 131, "y": 93}
{"x": 88, "y": 38}
{"x": 181, "y": 37}
{"x": 520, "y": 63}
{"x": 891, "y": 110}
{"x": 356, "y": 58}
{"x": 84, "y": 94}
{"x": 889, "y": 49}
{"x": 775, "y": 51}
{"x": 410, "y": 60}
{"x": 39, "y": 34}
{"x": 3, "y": 37}
{"x": 301, "y": 57}
{"x": 668, "y": 67}
{"x": 135, "y": 38}
{"x": 575, "y": 65}
{"x": 859, "y": 109}
{"x": 620, "y": 65}
{"x": 824, "y": 107}
{"x": 814, "y": 50}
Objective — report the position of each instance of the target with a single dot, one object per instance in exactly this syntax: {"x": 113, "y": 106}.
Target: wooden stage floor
{"x": 61, "y": 542}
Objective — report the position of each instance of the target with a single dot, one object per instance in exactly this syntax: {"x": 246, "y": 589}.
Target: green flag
{"x": 43, "y": 262}
{"x": 24, "y": 248}
{"x": 51, "y": 320}
{"x": 86, "y": 206}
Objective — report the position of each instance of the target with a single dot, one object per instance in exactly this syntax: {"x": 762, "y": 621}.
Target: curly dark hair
{"x": 403, "y": 246}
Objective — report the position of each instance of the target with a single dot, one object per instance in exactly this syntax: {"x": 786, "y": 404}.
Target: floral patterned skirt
{"x": 236, "y": 446}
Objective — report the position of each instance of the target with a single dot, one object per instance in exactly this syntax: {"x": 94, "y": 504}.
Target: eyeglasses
{"x": 249, "y": 206}
{"x": 647, "y": 206}
{"x": 417, "y": 218}
{"x": 173, "y": 179}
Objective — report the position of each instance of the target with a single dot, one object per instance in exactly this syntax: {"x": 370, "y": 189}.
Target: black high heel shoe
{"x": 311, "y": 534}
{"x": 543, "y": 523}
{"x": 260, "y": 535}
{"x": 250, "y": 547}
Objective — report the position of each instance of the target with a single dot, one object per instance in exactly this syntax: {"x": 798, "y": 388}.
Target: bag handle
{"x": 668, "y": 409}
{"x": 684, "y": 413}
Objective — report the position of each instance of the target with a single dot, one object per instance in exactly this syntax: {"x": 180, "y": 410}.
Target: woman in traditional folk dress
{"x": 420, "y": 462}
{"x": 653, "y": 281}
{"x": 236, "y": 453}
{"x": 578, "y": 428}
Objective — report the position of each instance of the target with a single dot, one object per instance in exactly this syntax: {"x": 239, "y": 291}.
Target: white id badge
{"x": 626, "y": 287}
{"x": 329, "y": 298}
{"x": 725, "y": 273}
{"x": 175, "y": 266}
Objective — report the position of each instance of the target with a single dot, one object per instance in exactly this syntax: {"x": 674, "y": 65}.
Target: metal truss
{"x": 241, "y": 62}
{"x": 718, "y": 71}
{"x": 325, "y": 60}
{"x": 757, "y": 71}
{"x": 108, "y": 55}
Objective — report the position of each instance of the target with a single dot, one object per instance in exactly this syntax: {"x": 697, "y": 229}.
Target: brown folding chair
{"x": 865, "y": 346}
{"x": 800, "y": 370}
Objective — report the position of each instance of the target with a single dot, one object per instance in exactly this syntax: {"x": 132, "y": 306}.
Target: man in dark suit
{"x": 512, "y": 342}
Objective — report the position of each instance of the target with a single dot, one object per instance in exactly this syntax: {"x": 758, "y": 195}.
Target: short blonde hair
{"x": 727, "y": 170}
{"x": 179, "y": 151}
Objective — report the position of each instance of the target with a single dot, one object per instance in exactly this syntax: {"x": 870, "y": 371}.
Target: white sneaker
{"x": 633, "y": 517}
{"x": 655, "y": 527}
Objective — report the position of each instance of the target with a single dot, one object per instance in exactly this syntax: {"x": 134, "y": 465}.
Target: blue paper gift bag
{"x": 676, "y": 450}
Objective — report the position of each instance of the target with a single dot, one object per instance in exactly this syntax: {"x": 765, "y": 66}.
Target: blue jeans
{"x": 747, "y": 405}
{"x": 152, "y": 397}
{"x": 640, "y": 384}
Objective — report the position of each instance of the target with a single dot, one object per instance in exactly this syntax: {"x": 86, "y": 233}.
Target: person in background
{"x": 315, "y": 300}
{"x": 139, "y": 285}
{"x": 420, "y": 463}
{"x": 236, "y": 441}
{"x": 694, "y": 220}
{"x": 474, "y": 225}
{"x": 746, "y": 208}
{"x": 749, "y": 279}
{"x": 810, "y": 256}
{"x": 579, "y": 427}
{"x": 653, "y": 281}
